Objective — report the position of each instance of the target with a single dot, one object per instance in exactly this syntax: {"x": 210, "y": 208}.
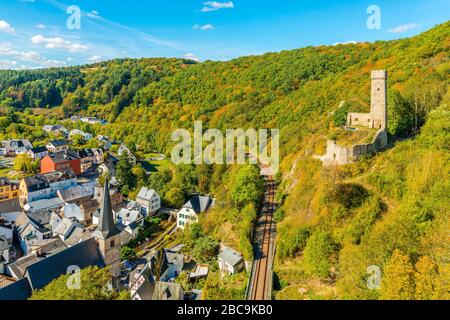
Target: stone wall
{"x": 359, "y": 119}
{"x": 339, "y": 155}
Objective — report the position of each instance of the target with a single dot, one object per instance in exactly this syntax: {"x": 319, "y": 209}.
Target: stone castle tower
{"x": 378, "y": 104}
{"x": 107, "y": 235}
{"x": 378, "y": 117}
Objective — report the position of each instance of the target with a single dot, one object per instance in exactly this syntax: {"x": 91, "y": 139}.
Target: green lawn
{"x": 156, "y": 166}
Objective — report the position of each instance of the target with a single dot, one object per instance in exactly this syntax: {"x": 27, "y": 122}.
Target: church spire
{"x": 106, "y": 223}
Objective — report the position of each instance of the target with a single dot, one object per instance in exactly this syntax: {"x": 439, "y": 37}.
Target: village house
{"x": 56, "y": 129}
{"x": 43, "y": 205}
{"x": 189, "y": 213}
{"x": 104, "y": 142}
{"x": 98, "y": 156}
{"x": 61, "y": 161}
{"x": 85, "y": 135}
{"x": 88, "y": 208}
{"x": 77, "y": 195}
{"x": 123, "y": 149}
{"x": 65, "y": 228}
{"x": 72, "y": 211}
{"x": 38, "y": 153}
{"x": 12, "y": 148}
{"x": 10, "y": 210}
{"x": 155, "y": 281}
{"x": 32, "y": 228}
{"x": 231, "y": 261}
{"x": 8, "y": 190}
{"x": 108, "y": 166}
{"x": 45, "y": 186}
{"x": 56, "y": 146}
{"x": 149, "y": 200}
{"x": 86, "y": 159}
{"x": 92, "y": 120}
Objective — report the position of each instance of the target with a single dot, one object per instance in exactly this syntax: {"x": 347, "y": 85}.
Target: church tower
{"x": 378, "y": 107}
{"x": 107, "y": 235}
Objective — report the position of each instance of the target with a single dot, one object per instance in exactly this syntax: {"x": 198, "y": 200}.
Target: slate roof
{"x": 39, "y": 149}
{"x": 64, "y": 156}
{"x": 75, "y": 193}
{"x": 231, "y": 257}
{"x": 19, "y": 290}
{"x": 145, "y": 194}
{"x": 9, "y": 206}
{"x": 78, "y": 234}
{"x": 83, "y": 255}
{"x": 84, "y": 153}
{"x": 19, "y": 267}
{"x": 145, "y": 290}
{"x": 175, "y": 259}
{"x": 45, "y": 204}
{"x": 43, "y": 181}
{"x": 59, "y": 143}
{"x": 35, "y": 183}
{"x": 198, "y": 203}
{"x": 49, "y": 246}
{"x": 167, "y": 291}
{"x": 3, "y": 243}
{"x": 158, "y": 264}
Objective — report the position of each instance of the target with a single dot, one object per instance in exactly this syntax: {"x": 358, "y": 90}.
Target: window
{"x": 112, "y": 243}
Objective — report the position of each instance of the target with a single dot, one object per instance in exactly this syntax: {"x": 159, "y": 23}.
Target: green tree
{"x": 397, "y": 282}
{"x": 139, "y": 172}
{"x": 174, "y": 197}
{"x": 425, "y": 279}
{"x": 127, "y": 253}
{"x": 205, "y": 249}
{"x": 24, "y": 163}
{"x": 318, "y": 253}
{"x": 94, "y": 285}
{"x": 125, "y": 174}
{"x": 248, "y": 186}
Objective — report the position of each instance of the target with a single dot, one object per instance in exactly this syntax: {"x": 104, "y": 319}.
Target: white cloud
{"x": 93, "y": 14}
{"x": 214, "y": 6}
{"x": 28, "y": 56}
{"x": 58, "y": 43}
{"x": 94, "y": 59}
{"x": 8, "y": 64}
{"x": 404, "y": 28}
{"x": 192, "y": 56}
{"x": 70, "y": 59}
{"x": 345, "y": 42}
{"x": 204, "y": 27}
{"x": 40, "y": 26}
{"x": 6, "y": 27}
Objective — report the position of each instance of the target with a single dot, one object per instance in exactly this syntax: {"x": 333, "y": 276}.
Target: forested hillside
{"x": 390, "y": 210}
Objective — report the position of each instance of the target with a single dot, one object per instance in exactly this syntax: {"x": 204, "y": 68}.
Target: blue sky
{"x": 33, "y": 33}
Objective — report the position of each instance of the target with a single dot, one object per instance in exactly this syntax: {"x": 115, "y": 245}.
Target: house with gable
{"x": 149, "y": 200}
{"x": 196, "y": 205}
